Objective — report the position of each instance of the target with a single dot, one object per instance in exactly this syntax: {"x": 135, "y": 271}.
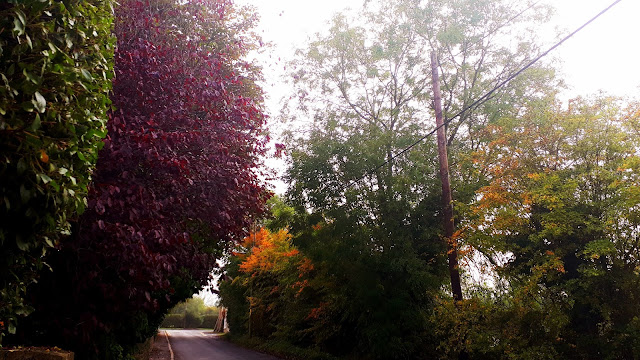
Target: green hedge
{"x": 56, "y": 60}
{"x": 209, "y": 321}
{"x": 173, "y": 321}
{"x": 177, "y": 321}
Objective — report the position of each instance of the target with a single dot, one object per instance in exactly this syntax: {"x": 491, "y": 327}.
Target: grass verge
{"x": 280, "y": 349}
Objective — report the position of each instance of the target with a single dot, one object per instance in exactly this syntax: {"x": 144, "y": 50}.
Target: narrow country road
{"x": 204, "y": 345}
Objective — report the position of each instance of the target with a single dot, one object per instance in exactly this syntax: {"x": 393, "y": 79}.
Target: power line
{"x": 483, "y": 98}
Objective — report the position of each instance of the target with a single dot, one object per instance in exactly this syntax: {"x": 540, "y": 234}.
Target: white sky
{"x": 603, "y": 56}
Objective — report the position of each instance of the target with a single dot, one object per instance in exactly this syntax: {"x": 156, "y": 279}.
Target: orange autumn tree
{"x": 272, "y": 290}
{"x": 267, "y": 251}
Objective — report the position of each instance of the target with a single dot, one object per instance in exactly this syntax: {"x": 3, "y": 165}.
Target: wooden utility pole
{"x": 447, "y": 202}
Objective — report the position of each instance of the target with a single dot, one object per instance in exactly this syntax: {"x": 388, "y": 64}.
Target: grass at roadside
{"x": 279, "y": 348}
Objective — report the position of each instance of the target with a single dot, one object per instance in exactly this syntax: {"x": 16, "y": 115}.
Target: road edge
{"x": 166, "y": 334}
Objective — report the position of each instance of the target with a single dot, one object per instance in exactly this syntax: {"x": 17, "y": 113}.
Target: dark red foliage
{"x": 178, "y": 177}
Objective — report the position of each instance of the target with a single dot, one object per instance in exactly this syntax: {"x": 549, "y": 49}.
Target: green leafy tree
{"x": 366, "y": 85}
{"x": 479, "y": 44}
{"x": 559, "y": 219}
{"x": 363, "y": 91}
{"x": 56, "y": 62}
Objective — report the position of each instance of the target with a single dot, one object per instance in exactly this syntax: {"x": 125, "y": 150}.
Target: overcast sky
{"x": 603, "y": 56}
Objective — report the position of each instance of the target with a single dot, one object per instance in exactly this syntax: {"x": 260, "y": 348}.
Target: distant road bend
{"x": 204, "y": 345}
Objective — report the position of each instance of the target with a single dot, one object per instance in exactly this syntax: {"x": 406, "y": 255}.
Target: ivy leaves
{"x": 52, "y": 122}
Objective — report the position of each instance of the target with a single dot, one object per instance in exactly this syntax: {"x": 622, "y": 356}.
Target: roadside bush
{"x": 192, "y": 320}
{"x": 209, "y": 321}
{"x": 192, "y": 313}
{"x": 173, "y": 321}
{"x": 56, "y": 61}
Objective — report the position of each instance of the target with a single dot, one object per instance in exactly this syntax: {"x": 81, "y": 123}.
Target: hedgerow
{"x": 56, "y": 61}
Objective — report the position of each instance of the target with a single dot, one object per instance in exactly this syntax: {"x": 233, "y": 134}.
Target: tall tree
{"x": 176, "y": 182}
{"x": 362, "y": 92}
{"x": 479, "y": 44}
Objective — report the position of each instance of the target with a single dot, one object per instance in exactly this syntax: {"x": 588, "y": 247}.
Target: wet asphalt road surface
{"x": 204, "y": 345}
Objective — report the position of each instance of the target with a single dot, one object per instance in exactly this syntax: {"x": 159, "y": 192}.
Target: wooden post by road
{"x": 447, "y": 202}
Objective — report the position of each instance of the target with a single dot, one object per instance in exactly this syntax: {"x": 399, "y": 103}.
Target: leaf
{"x": 27, "y": 106}
{"x": 86, "y": 75}
{"x": 29, "y": 76}
{"x": 21, "y": 16}
{"x": 11, "y": 328}
{"x": 18, "y": 27}
{"x": 39, "y": 102}
{"x": 35, "y": 125}
{"x": 54, "y": 185}
{"x": 22, "y": 245}
{"x": 45, "y": 178}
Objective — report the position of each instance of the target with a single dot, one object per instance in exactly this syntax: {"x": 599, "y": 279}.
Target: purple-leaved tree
{"x": 176, "y": 182}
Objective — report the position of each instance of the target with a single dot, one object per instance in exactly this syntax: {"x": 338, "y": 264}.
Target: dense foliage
{"x": 56, "y": 63}
{"x": 266, "y": 270}
{"x": 559, "y": 219}
{"x": 546, "y": 198}
{"x": 176, "y": 181}
{"x": 353, "y": 263}
{"x": 362, "y": 93}
{"x": 330, "y": 293}
{"x": 555, "y": 229}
